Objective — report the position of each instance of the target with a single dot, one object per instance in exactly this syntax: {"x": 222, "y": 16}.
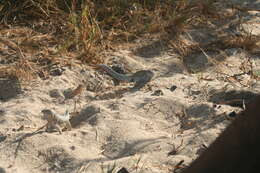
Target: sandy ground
{"x": 172, "y": 119}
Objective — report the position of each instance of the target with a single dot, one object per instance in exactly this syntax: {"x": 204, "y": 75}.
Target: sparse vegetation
{"x": 45, "y": 31}
{"x": 149, "y": 84}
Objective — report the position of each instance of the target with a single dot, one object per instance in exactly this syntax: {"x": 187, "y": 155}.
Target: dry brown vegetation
{"x": 36, "y": 35}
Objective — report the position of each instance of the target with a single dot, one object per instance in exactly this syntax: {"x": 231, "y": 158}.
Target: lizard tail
{"x": 114, "y": 74}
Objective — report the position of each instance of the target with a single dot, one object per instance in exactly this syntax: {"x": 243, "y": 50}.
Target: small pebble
{"x": 55, "y": 93}
{"x": 173, "y": 88}
{"x": 232, "y": 114}
{"x": 157, "y": 93}
{"x": 2, "y": 112}
{"x": 2, "y": 138}
{"x": 57, "y": 72}
{"x": 122, "y": 170}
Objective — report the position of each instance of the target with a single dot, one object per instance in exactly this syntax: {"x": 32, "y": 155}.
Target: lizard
{"x": 140, "y": 78}
{"x": 54, "y": 121}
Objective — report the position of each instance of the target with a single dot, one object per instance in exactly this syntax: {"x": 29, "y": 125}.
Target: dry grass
{"x": 45, "y": 31}
{"x": 22, "y": 68}
{"x": 247, "y": 42}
